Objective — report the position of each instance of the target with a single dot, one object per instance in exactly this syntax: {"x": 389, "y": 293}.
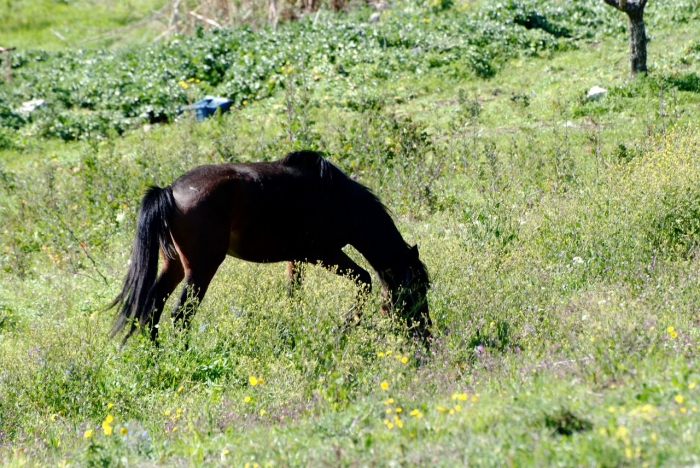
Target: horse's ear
{"x": 414, "y": 250}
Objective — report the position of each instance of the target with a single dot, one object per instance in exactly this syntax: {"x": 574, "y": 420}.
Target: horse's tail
{"x": 135, "y": 301}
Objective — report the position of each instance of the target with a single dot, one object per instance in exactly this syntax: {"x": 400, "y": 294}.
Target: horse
{"x": 300, "y": 209}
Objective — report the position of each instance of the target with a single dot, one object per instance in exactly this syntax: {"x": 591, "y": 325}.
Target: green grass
{"x": 561, "y": 237}
{"x": 60, "y": 24}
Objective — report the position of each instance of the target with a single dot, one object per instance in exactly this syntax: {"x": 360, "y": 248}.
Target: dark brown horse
{"x": 299, "y": 209}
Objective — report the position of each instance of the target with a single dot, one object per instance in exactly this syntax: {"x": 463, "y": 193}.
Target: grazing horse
{"x": 299, "y": 209}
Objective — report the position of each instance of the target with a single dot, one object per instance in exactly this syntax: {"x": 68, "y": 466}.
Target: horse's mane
{"x": 311, "y": 161}
{"x": 328, "y": 172}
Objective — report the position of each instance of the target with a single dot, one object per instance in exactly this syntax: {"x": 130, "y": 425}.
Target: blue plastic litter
{"x": 208, "y": 106}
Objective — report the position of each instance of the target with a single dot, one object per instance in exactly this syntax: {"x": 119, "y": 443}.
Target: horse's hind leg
{"x": 201, "y": 250}
{"x": 169, "y": 278}
{"x": 196, "y": 285}
{"x": 343, "y": 265}
{"x": 200, "y": 267}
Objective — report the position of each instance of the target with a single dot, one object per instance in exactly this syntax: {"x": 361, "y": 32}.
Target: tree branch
{"x": 627, "y": 6}
{"x": 614, "y": 4}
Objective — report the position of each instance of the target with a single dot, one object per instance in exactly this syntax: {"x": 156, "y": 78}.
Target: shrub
{"x": 94, "y": 92}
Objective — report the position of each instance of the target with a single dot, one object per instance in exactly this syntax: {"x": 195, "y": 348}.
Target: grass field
{"x": 61, "y": 24}
{"x": 561, "y": 236}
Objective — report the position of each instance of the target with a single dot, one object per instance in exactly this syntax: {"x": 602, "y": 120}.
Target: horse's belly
{"x": 281, "y": 244}
{"x": 258, "y": 248}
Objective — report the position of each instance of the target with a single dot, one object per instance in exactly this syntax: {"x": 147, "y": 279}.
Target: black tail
{"x": 135, "y": 301}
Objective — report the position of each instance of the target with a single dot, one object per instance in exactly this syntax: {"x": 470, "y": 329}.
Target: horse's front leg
{"x": 341, "y": 264}
{"x": 295, "y": 275}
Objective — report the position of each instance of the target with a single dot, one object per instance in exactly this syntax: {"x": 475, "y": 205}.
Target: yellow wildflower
{"x": 441, "y": 409}
{"x": 404, "y": 360}
{"x": 107, "y": 424}
{"x": 384, "y": 385}
{"x": 88, "y": 434}
{"x": 247, "y": 399}
{"x": 621, "y": 432}
{"x": 691, "y": 385}
{"x": 123, "y": 431}
{"x": 679, "y": 399}
{"x": 262, "y": 412}
{"x": 388, "y": 401}
{"x": 252, "y": 380}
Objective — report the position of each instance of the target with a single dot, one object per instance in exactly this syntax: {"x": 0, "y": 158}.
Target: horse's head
{"x": 405, "y": 291}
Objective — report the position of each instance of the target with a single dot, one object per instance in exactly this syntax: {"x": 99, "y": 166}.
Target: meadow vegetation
{"x": 561, "y": 235}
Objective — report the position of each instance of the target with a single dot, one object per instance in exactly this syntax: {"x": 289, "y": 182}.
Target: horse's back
{"x": 274, "y": 211}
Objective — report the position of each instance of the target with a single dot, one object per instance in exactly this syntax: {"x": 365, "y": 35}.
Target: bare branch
{"x": 204, "y": 19}
{"x": 614, "y": 4}
{"x": 628, "y": 6}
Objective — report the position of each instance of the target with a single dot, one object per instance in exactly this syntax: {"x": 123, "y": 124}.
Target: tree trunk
{"x": 637, "y": 32}
{"x": 638, "y": 42}
{"x": 272, "y": 13}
